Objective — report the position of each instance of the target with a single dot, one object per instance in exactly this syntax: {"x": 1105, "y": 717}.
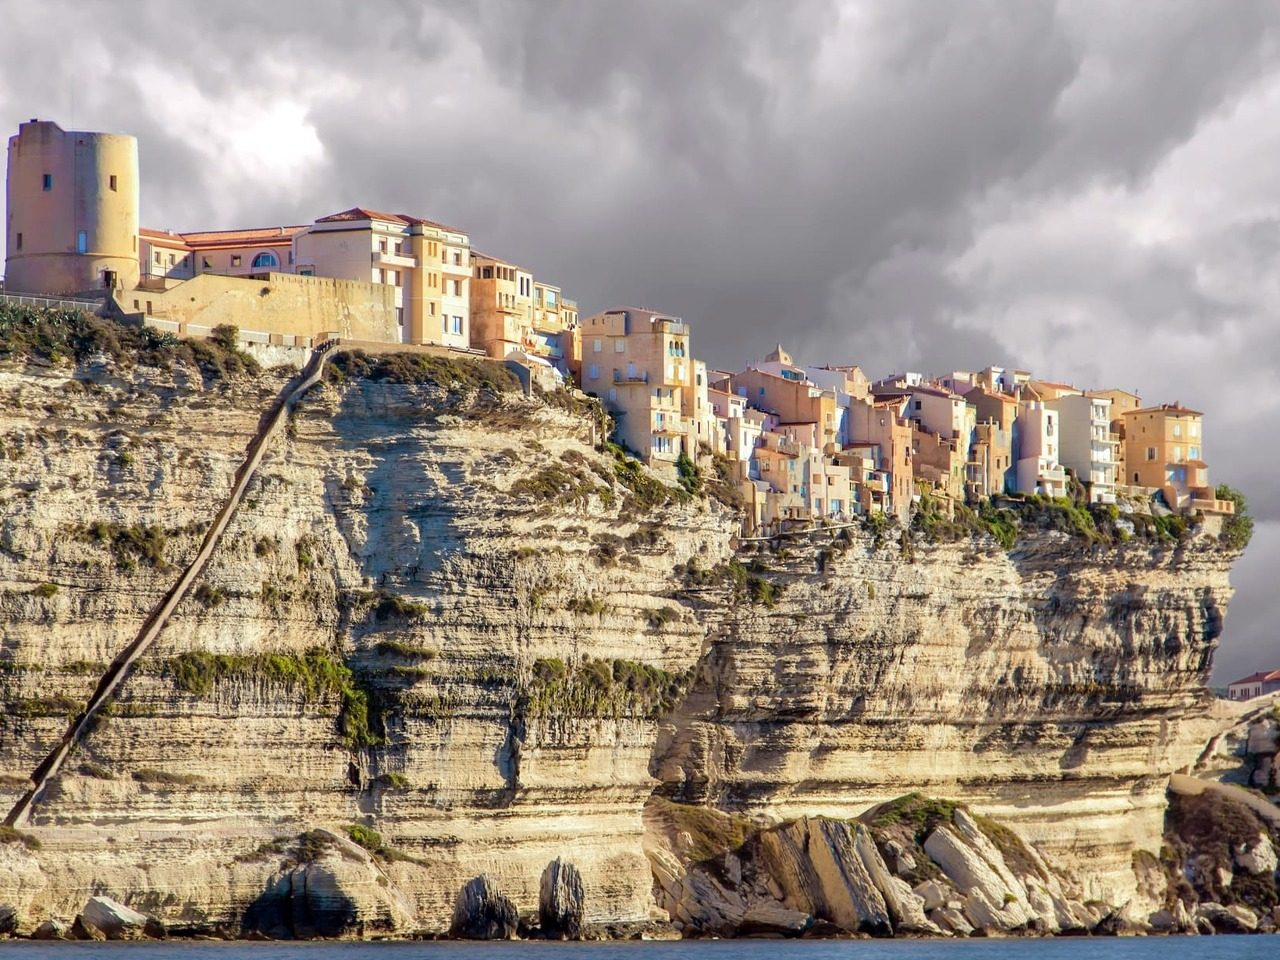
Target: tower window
{"x": 111, "y": 181}
{"x": 19, "y": 241}
{"x": 82, "y": 241}
{"x": 48, "y": 181}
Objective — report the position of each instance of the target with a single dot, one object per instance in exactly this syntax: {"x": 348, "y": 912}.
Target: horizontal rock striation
{"x": 1054, "y": 686}
{"x": 446, "y": 627}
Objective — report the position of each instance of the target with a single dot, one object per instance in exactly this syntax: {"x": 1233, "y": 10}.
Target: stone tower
{"x": 72, "y": 211}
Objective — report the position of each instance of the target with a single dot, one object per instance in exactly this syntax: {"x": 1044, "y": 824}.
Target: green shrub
{"x": 316, "y": 674}
{"x": 164, "y": 778}
{"x": 210, "y": 596}
{"x": 129, "y": 545}
{"x": 658, "y": 619}
{"x": 46, "y": 590}
{"x": 591, "y": 606}
{"x": 56, "y": 335}
{"x": 398, "y": 648}
{"x": 1237, "y": 529}
{"x": 690, "y": 477}
{"x": 455, "y": 374}
{"x": 599, "y": 688}
{"x": 12, "y": 835}
{"x": 365, "y": 837}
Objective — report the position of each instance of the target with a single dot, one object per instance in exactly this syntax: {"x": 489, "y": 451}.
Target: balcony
{"x": 639, "y": 376}
{"x": 393, "y": 261}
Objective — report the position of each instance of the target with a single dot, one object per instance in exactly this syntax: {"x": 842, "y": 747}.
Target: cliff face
{"x": 1053, "y": 687}
{"x": 443, "y": 616}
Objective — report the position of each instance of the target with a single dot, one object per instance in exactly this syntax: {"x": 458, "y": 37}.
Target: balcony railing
{"x": 622, "y": 376}
{"x": 395, "y": 260}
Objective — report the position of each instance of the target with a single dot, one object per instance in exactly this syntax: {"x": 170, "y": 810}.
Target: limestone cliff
{"x": 446, "y": 626}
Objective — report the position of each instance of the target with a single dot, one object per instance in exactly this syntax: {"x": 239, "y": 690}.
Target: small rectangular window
{"x": 82, "y": 241}
{"x": 19, "y": 245}
{"x": 205, "y": 264}
{"x": 48, "y": 181}
{"x": 235, "y": 259}
{"x": 111, "y": 182}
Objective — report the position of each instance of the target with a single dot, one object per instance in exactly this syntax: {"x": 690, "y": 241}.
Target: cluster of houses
{"x": 800, "y": 443}
{"x": 825, "y": 442}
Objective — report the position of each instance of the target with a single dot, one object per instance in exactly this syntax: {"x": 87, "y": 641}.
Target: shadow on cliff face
{"x": 287, "y": 909}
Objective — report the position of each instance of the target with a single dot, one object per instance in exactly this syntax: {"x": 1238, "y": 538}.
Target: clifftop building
{"x": 72, "y": 221}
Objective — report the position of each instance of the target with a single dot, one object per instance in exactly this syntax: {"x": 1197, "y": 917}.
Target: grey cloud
{"x": 824, "y": 173}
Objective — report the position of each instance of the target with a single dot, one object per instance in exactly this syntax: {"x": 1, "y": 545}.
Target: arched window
{"x": 266, "y": 259}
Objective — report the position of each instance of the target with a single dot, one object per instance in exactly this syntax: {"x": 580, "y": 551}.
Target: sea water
{"x": 1101, "y": 948}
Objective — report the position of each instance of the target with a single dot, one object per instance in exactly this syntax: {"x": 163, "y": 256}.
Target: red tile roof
{"x": 364, "y": 213}
{"x": 215, "y": 239}
{"x": 1175, "y": 408}
{"x": 1263, "y": 677}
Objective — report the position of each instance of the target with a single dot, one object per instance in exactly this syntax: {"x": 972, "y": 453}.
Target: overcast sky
{"x": 1090, "y": 190}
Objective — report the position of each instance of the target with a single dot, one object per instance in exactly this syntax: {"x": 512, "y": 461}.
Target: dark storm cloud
{"x": 1084, "y": 187}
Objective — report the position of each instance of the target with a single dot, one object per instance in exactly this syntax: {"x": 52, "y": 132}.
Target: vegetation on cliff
{"x": 601, "y": 688}
{"x": 316, "y": 674}
{"x": 1237, "y": 529}
{"x": 57, "y": 335}
{"x": 462, "y": 374}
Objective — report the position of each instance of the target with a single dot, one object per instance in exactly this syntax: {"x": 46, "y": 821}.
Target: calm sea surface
{"x": 1149, "y": 948}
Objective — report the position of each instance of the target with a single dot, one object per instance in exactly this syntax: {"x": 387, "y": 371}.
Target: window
{"x": 613, "y": 395}
{"x": 400, "y": 315}
{"x": 308, "y": 272}
{"x": 593, "y": 371}
{"x": 1193, "y": 453}
{"x": 619, "y": 346}
{"x": 382, "y": 246}
{"x": 457, "y": 258}
{"x": 82, "y": 241}
{"x": 266, "y": 259}
{"x": 111, "y": 182}
{"x": 206, "y": 265}
{"x": 235, "y": 260}
{"x": 1177, "y": 429}
{"x": 399, "y": 247}
{"x": 596, "y": 345}
{"x": 377, "y": 275}
{"x": 1151, "y": 453}
{"x": 1193, "y": 430}
{"x": 156, "y": 257}
{"x": 19, "y": 241}
{"x": 291, "y": 258}
{"x": 48, "y": 182}
{"x": 173, "y": 259}
{"x": 457, "y": 325}
{"x": 916, "y": 405}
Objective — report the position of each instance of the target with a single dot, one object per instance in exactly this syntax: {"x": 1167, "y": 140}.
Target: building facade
{"x": 72, "y": 220}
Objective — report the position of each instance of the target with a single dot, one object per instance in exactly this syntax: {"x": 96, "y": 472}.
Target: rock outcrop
{"x": 562, "y": 904}
{"x": 481, "y": 912}
{"x": 808, "y": 872}
{"x": 441, "y": 612}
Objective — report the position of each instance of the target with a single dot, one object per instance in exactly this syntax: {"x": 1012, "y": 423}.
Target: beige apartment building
{"x": 166, "y": 257}
{"x": 1122, "y": 401}
{"x": 638, "y": 362}
{"x": 427, "y": 265}
{"x": 511, "y": 311}
{"x": 72, "y": 220}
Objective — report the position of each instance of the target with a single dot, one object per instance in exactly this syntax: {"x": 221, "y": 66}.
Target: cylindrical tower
{"x": 72, "y": 211}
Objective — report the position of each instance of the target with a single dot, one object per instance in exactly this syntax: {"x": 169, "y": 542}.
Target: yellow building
{"x": 1160, "y": 442}
{"x": 72, "y": 224}
{"x": 427, "y": 265}
{"x": 638, "y": 362}
{"x": 501, "y": 305}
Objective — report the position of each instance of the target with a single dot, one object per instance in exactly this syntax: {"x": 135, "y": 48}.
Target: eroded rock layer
{"x": 443, "y": 617}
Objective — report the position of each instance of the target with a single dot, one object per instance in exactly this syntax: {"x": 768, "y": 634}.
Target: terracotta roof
{"x": 364, "y": 213}
{"x": 1176, "y": 408}
{"x": 1263, "y": 676}
{"x": 213, "y": 239}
